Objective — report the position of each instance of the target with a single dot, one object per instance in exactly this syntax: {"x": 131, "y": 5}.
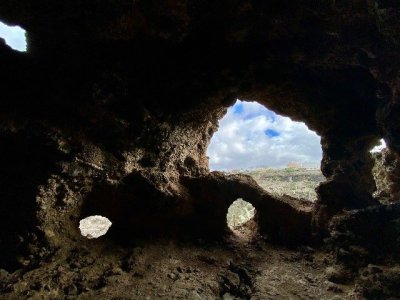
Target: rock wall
{"x": 386, "y": 173}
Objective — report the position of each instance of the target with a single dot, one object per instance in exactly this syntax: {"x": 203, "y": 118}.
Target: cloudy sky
{"x": 251, "y": 136}
{"x": 14, "y": 36}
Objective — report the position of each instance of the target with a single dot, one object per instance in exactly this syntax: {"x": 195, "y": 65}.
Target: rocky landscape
{"x": 110, "y": 112}
{"x": 295, "y": 182}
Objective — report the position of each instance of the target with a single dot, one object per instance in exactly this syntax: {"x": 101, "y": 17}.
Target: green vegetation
{"x": 239, "y": 213}
{"x": 295, "y": 182}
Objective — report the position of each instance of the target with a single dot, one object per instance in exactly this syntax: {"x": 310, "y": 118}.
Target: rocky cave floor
{"x": 241, "y": 266}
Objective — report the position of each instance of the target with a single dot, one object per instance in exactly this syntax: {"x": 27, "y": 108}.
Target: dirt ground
{"x": 242, "y": 266}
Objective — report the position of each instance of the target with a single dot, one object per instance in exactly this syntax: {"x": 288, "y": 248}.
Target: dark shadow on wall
{"x": 135, "y": 206}
{"x": 26, "y": 161}
{"x": 197, "y": 208}
{"x": 141, "y": 207}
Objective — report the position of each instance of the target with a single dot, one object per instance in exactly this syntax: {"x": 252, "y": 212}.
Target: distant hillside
{"x": 295, "y": 182}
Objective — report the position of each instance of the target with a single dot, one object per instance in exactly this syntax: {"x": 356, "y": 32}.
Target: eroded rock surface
{"x": 387, "y": 176}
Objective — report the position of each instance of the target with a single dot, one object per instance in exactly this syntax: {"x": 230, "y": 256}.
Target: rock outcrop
{"x": 386, "y": 172}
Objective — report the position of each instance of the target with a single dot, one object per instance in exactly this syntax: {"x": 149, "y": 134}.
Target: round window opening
{"x": 94, "y": 227}
{"x": 239, "y": 214}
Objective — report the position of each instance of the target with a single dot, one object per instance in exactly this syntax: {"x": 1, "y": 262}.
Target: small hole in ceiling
{"x": 14, "y": 36}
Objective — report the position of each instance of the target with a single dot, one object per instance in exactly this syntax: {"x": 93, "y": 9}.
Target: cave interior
{"x": 110, "y": 112}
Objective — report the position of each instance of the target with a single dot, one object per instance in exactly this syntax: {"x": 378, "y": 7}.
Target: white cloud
{"x": 14, "y": 36}
{"x": 250, "y": 136}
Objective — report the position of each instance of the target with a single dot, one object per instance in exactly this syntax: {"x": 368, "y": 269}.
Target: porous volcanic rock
{"x": 386, "y": 173}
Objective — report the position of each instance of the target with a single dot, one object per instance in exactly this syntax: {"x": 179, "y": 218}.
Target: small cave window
{"x": 14, "y": 36}
{"x": 94, "y": 227}
{"x": 380, "y": 147}
{"x": 384, "y": 173}
{"x": 239, "y": 213}
{"x": 282, "y": 155}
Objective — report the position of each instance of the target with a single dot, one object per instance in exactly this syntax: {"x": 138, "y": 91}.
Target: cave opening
{"x": 93, "y": 227}
{"x": 14, "y": 36}
{"x": 380, "y": 147}
{"x": 239, "y": 213}
{"x": 385, "y": 173}
{"x": 241, "y": 220}
{"x": 282, "y": 155}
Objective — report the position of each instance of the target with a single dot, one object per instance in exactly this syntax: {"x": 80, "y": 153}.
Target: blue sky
{"x": 14, "y": 36}
{"x": 251, "y": 136}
